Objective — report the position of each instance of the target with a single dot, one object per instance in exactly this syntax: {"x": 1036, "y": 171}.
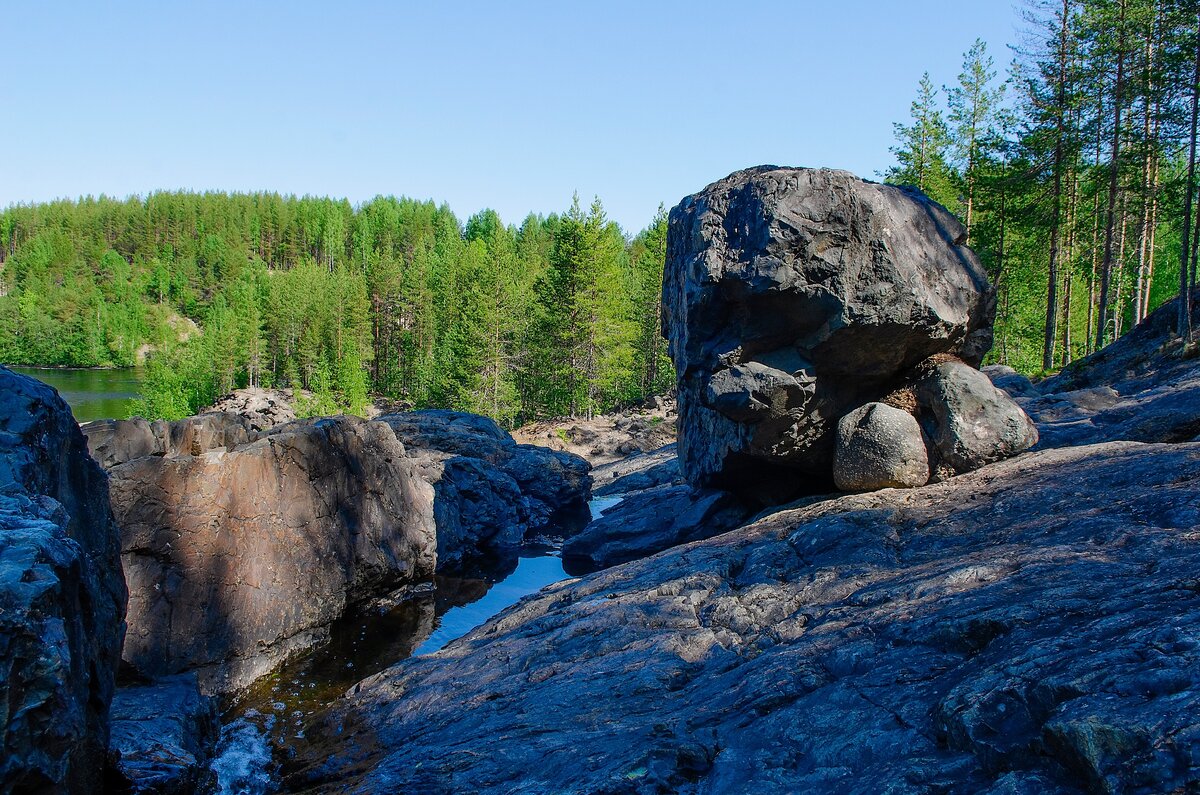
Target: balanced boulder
{"x": 794, "y": 296}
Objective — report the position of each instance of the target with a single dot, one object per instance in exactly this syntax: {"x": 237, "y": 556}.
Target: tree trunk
{"x": 1113, "y": 170}
{"x": 1185, "y": 296}
{"x": 1052, "y": 276}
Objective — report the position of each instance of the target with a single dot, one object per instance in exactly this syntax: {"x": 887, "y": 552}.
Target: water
{"x": 267, "y": 722}
{"x": 92, "y": 394}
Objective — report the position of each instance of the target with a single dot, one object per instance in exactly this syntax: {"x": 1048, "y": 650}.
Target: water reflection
{"x": 92, "y": 394}
{"x": 274, "y": 711}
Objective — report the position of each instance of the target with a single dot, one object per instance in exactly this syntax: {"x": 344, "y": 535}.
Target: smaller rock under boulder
{"x": 113, "y": 442}
{"x": 879, "y": 447}
{"x": 969, "y": 421}
{"x": 162, "y": 738}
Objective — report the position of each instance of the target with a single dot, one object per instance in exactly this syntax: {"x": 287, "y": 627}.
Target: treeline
{"x": 1075, "y": 176}
{"x": 395, "y": 297}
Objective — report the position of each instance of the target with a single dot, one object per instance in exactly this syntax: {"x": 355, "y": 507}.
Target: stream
{"x": 264, "y": 724}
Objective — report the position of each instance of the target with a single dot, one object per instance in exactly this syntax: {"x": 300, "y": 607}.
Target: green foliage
{"x": 395, "y": 297}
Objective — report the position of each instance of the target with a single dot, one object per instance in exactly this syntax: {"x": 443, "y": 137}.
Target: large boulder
{"x": 969, "y": 421}
{"x": 793, "y": 296}
{"x": 237, "y": 557}
{"x": 62, "y": 596}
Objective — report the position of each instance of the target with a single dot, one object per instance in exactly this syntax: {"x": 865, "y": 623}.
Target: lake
{"x": 92, "y": 394}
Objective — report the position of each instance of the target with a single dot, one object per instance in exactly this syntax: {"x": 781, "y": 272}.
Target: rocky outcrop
{"x": 162, "y": 738}
{"x": 237, "y": 557}
{"x": 650, "y": 521}
{"x": 492, "y": 493}
{"x": 241, "y": 546}
{"x": 62, "y": 597}
{"x": 113, "y": 442}
{"x": 638, "y": 472}
{"x": 1027, "y": 627}
{"x": 261, "y": 408}
{"x": 1143, "y": 387}
{"x": 608, "y": 438}
{"x": 794, "y": 296}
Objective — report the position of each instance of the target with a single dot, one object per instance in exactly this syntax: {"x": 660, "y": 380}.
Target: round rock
{"x": 879, "y": 447}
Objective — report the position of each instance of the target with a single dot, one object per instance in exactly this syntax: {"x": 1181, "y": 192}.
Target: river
{"x": 92, "y": 394}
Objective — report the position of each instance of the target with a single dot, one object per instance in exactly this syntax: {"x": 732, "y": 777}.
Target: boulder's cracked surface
{"x": 794, "y": 296}
{"x": 242, "y": 546}
{"x": 62, "y": 596}
{"x": 1027, "y": 627}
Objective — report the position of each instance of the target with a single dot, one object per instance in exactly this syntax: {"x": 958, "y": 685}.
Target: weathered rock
{"x": 792, "y": 296}
{"x": 968, "y": 420}
{"x": 608, "y": 438}
{"x": 62, "y": 597}
{"x": 113, "y": 442}
{"x": 1143, "y": 387}
{"x": 261, "y": 408}
{"x": 1027, "y": 627}
{"x": 162, "y": 738}
{"x": 638, "y": 472}
{"x": 879, "y": 447}
{"x": 648, "y": 522}
{"x": 492, "y": 494}
{"x": 237, "y": 557}
{"x": 1006, "y": 378}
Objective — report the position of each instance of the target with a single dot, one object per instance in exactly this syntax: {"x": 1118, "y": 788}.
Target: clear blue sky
{"x": 509, "y": 105}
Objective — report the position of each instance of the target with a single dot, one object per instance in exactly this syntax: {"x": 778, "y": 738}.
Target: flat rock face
{"x": 237, "y": 557}
{"x": 793, "y": 296}
{"x": 62, "y": 596}
{"x": 1028, "y": 627}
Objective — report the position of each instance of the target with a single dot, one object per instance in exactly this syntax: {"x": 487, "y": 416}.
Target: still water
{"x": 92, "y": 394}
{"x": 265, "y": 724}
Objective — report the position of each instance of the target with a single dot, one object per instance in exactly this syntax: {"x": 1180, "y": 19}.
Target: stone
{"x": 62, "y": 596}
{"x": 638, "y": 472}
{"x": 649, "y": 521}
{"x": 237, "y": 558}
{"x": 793, "y": 296}
{"x": 163, "y": 735}
{"x": 969, "y": 421}
{"x": 1027, "y": 627}
{"x": 1006, "y": 378}
{"x": 1143, "y": 387}
{"x": 113, "y": 442}
{"x": 879, "y": 447}
{"x": 261, "y": 408}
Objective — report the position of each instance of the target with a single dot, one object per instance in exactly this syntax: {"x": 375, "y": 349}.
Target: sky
{"x": 509, "y": 105}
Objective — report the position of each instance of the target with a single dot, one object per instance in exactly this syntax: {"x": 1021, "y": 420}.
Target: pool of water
{"x": 92, "y": 394}
{"x": 265, "y": 724}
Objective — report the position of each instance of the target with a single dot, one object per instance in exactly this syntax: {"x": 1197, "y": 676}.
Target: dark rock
{"x": 792, "y": 296}
{"x": 62, "y": 596}
{"x": 238, "y": 557}
{"x": 1143, "y": 387}
{"x": 968, "y": 420}
{"x": 1004, "y": 377}
{"x": 650, "y": 521}
{"x": 879, "y": 447}
{"x": 163, "y": 735}
{"x": 638, "y": 472}
{"x": 1027, "y": 627}
{"x": 492, "y": 493}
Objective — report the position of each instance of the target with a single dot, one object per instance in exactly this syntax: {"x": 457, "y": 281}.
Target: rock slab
{"x": 62, "y": 596}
